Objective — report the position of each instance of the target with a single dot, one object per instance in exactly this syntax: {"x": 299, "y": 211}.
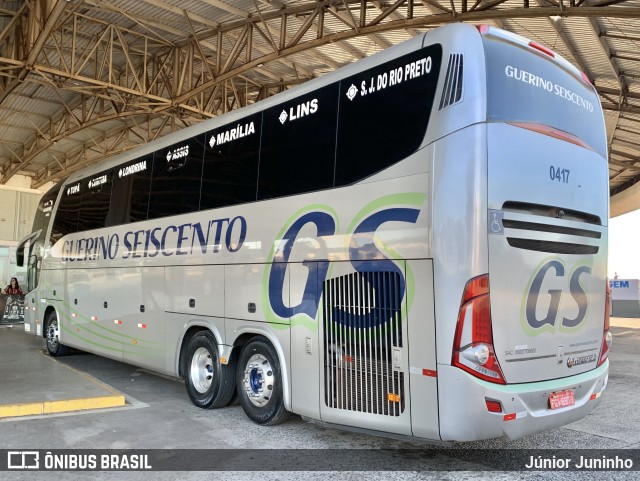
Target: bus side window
{"x": 130, "y": 192}
{"x": 230, "y": 171}
{"x": 384, "y": 113}
{"x": 43, "y": 215}
{"x": 176, "y": 179}
{"x": 95, "y": 199}
{"x": 66, "y": 220}
{"x": 120, "y": 207}
{"x": 297, "y": 154}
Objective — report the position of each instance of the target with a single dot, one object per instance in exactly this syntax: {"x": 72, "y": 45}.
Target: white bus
{"x": 414, "y": 245}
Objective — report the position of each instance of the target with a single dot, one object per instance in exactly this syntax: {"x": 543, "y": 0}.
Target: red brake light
{"x": 542, "y": 49}
{"x": 493, "y": 406}
{"x": 551, "y": 132}
{"x": 473, "y": 349}
{"x": 481, "y": 329}
{"x": 606, "y": 335}
{"x": 477, "y": 286}
{"x": 586, "y": 79}
{"x": 483, "y": 29}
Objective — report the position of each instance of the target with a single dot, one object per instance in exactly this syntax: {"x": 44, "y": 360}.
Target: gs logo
{"x": 553, "y": 272}
{"x": 364, "y": 254}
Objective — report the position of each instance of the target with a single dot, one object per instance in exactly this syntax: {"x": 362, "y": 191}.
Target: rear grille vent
{"x": 556, "y": 229}
{"x": 555, "y": 212}
{"x": 452, "y": 91}
{"x": 362, "y": 327}
{"x": 553, "y": 247}
{"x": 551, "y": 211}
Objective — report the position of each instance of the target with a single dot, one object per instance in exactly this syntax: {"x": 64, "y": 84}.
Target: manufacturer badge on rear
{"x": 576, "y": 361}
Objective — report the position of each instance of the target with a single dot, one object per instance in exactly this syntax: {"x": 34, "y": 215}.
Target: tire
{"x": 209, "y": 384}
{"x": 235, "y": 400}
{"x": 52, "y": 335}
{"x": 259, "y": 381}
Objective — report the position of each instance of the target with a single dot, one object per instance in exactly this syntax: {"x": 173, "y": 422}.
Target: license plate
{"x": 561, "y": 399}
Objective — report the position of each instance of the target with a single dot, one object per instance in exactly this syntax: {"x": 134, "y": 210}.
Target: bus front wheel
{"x": 52, "y": 335}
{"x": 260, "y": 384}
{"x": 209, "y": 383}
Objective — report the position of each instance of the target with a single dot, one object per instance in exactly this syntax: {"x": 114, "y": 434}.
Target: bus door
{"x": 33, "y": 269}
{"x": 364, "y": 348}
{"x": 53, "y": 282}
{"x": 29, "y": 253}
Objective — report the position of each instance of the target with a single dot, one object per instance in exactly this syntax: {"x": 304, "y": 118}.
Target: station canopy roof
{"x": 83, "y": 80}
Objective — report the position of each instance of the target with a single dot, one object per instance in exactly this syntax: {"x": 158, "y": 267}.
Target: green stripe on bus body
{"x": 89, "y": 322}
{"x": 119, "y": 348}
{"x": 88, "y": 341}
{"x": 548, "y": 386}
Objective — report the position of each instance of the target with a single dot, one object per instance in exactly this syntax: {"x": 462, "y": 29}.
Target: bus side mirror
{"x": 21, "y": 245}
{"x": 20, "y": 256}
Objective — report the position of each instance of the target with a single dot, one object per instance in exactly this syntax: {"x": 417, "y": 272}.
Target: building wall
{"x": 17, "y": 210}
{"x": 625, "y": 297}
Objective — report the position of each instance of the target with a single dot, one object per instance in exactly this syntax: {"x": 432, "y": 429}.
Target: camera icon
{"x": 23, "y": 460}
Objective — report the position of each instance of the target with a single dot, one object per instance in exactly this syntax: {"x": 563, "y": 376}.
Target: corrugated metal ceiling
{"x": 109, "y": 75}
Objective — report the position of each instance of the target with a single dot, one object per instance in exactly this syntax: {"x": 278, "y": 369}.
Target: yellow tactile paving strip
{"x": 32, "y": 383}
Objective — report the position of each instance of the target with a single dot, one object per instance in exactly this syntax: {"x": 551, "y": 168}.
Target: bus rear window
{"x": 526, "y": 87}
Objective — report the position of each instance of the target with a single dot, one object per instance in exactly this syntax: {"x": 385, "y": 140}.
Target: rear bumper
{"x": 464, "y": 415}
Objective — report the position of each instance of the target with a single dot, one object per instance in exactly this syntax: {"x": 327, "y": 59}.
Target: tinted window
{"x": 94, "y": 203}
{"x": 230, "y": 172}
{"x": 66, "y": 221}
{"x": 43, "y": 214}
{"x": 523, "y": 86}
{"x": 130, "y": 199}
{"x": 45, "y": 207}
{"x": 298, "y": 145}
{"x": 384, "y": 113}
{"x": 176, "y": 177}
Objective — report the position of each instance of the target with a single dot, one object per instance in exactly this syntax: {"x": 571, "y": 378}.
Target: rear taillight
{"x": 551, "y": 132}
{"x": 493, "y": 406}
{"x": 473, "y": 343}
{"x": 606, "y": 336}
{"x": 542, "y": 48}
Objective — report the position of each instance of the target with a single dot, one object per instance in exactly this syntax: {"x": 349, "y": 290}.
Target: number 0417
{"x": 558, "y": 174}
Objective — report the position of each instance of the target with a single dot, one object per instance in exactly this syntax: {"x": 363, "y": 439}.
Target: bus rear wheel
{"x": 52, "y": 335}
{"x": 259, "y": 382}
{"x": 209, "y": 383}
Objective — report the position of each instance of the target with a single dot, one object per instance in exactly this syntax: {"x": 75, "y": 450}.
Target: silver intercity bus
{"x": 413, "y": 245}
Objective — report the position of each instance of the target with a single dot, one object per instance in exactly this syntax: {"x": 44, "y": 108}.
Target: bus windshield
{"x": 522, "y": 87}
{"x": 40, "y": 225}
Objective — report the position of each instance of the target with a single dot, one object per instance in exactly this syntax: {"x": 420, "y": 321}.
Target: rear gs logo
{"x": 540, "y": 309}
